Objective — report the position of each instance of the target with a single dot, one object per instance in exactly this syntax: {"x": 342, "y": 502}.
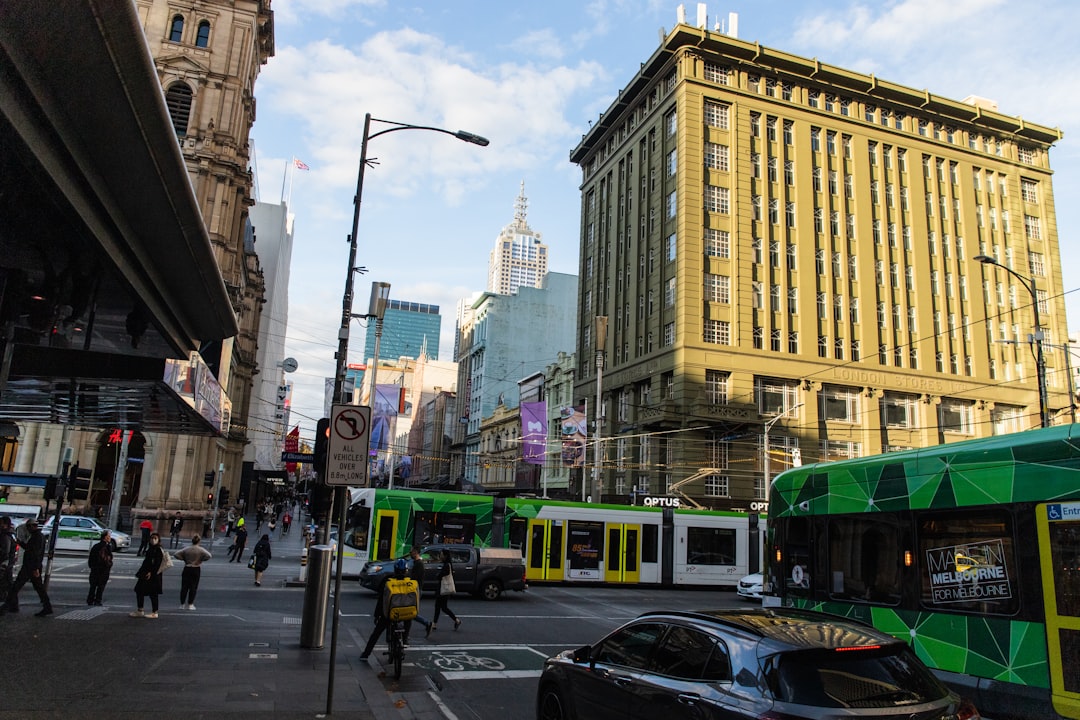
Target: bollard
{"x": 303, "y": 565}
{"x": 316, "y": 596}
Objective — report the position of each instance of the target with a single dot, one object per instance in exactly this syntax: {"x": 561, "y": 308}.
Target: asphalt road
{"x": 239, "y": 652}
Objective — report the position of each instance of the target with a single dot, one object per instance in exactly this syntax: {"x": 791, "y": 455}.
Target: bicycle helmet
{"x": 401, "y": 565}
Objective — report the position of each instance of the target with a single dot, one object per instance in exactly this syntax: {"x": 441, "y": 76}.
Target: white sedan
{"x": 80, "y": 533}
{"x": 750, "y": 586}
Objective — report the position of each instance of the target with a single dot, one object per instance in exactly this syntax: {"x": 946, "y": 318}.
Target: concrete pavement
{"x": 238, "y": 655}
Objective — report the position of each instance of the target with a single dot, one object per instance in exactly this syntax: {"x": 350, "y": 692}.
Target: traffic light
{"x": 208, "y": 478}
{"x": 322, "y": 442}
{"x": 50, "y": 487}
{"x": 209, "y": 498}
{"x": 79, "y": 489}
{"x": 223, "y": 495}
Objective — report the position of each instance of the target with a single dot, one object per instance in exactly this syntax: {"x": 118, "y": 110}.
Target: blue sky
{"x": 531, "y": 77}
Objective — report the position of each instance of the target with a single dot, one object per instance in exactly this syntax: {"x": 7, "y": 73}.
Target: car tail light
{"x": 967, "y": 711}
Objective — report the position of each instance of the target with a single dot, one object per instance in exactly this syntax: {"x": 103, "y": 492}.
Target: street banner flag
{"x": 534, "y": 432}
{"x": 574, "y": 434}
{"x": 300, "y": 164}
{"x": 292, "y": 444}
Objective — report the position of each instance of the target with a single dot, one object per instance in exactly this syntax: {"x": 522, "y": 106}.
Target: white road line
{"x": 490, "y": 674}
{"x": 442, "y": 706}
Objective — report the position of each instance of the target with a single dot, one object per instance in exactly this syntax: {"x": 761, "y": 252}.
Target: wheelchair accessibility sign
{"x": 474, "y": 662}
{"x": 1063, "y": 511}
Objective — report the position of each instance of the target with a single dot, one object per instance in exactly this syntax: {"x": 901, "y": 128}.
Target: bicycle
{"x": 396, "y": 645}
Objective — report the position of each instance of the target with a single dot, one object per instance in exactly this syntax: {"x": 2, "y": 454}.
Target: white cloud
{"x": 544, "y": 44}
{"x": 295, "y": 11}
{"x": 417, "y": 78}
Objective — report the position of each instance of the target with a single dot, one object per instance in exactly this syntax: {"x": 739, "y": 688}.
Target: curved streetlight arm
{"x": 1040, "y": 359}
{"x": 464, "y": 135}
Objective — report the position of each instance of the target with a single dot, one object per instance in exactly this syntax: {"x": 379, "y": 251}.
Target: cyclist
{"x": 401, "y": 572}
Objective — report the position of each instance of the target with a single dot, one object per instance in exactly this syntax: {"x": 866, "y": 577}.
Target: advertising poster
{"x": 967, "y": 573}
{"x": 534, "y": 432}
{"x": 573, "y": 430}
{"x": 586, "y": 544}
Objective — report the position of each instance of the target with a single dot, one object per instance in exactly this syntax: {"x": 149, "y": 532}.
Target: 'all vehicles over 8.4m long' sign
{"x": 347, "y": 449}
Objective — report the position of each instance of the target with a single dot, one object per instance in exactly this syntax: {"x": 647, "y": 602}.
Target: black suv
{"x": 772, "y": 664}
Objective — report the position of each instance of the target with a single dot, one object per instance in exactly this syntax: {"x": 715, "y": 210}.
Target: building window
{"x": 178, "y": 101}
{"x": 672, "y": 247}
{"x": 202, "y": 39}
{"x": 814, "y": 98}
{"x": 717, "y": 199}
{"x": 1029, "y": 191}
{"x": 672, "y": 205}
{"x": 176, "y": 29}
{"x": 672, "y": 162}
{"x": 1031, "y": 227}
{"x": 770, "y": 129}
{"x": 835, "y": 450}
{"x": 669, "y": 334}
{"x": 772, "y": 169}
{"x": 1036, "y": 263}
{"x": 716, "y": 387}
{"x": 1006, "y": 419}
{"x": 716, "y": 156}
{"x": 793, "y": 301}
{"x": 789, "y": 212}
{"x": 670, "y": 122}
{"x": 1026, "y": 155}
{"x": 789, "y": 133}
{"x": 823, "y": 346}
{"x": 755, "y": 124}
{"x": 717, "y": 243}
{"x": 815, "y": 139}
{"x": 775, "y": 396}
{"x": 717, "y": 288}
{"x": 956, "y": 416}
{"x": 716, "y": 486}
{"x": 789, "y": 173}
{"x": 717, "y": 114}
{"x": 774, "y": 212}
{"x": 899, "y": 410}
{"x": 669, "y": 293}
{"x": 719, "y": 74}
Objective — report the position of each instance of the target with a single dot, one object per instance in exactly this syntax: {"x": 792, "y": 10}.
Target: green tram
{"x": 968, "y": 550}
{"x": 560, "y": 541}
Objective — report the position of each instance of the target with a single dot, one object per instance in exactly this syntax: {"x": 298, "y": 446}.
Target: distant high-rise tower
{"x": 519, "y": 258}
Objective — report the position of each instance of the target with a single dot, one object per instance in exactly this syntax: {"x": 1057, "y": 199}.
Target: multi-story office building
{"x": 796, "y": 255}
{"x": 409, "y": 330}
{"x": 500, "y": 340}
{"x": 518, "y": 258}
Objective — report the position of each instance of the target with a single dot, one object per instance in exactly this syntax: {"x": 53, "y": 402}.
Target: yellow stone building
{"x": 790, "y": 251}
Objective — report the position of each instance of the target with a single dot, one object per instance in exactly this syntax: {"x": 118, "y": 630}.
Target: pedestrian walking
{"x": 193, "y": 556}
{"x": 33, "y": 556}
{"x": 272, "y": 525}
{"x": 7, "y": 556}
{"x": 237, "y": 549}
{"x": 260, "y": 558}
{"x": 175, "y": 528}
{"x": 100, "y": 563}
{"x": 147, "y": 527}
{"x": 417, "y": 574}
{"x": 230, "y": 520}
{"x": 149, "y": 580}
{"x": 445, "y": 589}
{"x": 286, "y": 522}
{"x": 258, "y": 518}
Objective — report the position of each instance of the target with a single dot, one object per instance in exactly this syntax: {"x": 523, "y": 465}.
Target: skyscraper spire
{"x": 521, "y": 205}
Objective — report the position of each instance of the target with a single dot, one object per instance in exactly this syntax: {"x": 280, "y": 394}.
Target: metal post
{"x": 1069, "y": 383}
{"x": 218, "y": 482}
{"x": 598, "y": 455}
{"x": 374, "y": 378}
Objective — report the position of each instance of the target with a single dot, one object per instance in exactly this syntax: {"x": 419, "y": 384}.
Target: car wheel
{"x": 112, "y": 545}
{"x": 491, "y": 589}
{"x": 551, "y": 705}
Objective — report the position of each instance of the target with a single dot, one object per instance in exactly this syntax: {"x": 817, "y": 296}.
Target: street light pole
{"x": 343, "y": 338}
{"x": 768, "y": 426}
{"x": 598, "y": 413}
{"x": 1040, "y": 360}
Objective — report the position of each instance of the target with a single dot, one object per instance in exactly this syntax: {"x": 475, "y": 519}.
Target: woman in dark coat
{"x": 262, "y": 557}
{"x": 149, "y": 578}
{"x": 441, "y": 599}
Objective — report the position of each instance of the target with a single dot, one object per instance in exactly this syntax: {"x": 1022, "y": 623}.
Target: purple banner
{"x": 534, "y": 432}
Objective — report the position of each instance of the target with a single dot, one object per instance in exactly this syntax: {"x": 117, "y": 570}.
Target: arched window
{"x": 203, "y": 38}
{"x": 178, "y": 100}
{"x": 176, "y": 30}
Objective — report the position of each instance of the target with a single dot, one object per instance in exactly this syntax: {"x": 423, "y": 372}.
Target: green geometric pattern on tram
{"x": 1004, "y": 650}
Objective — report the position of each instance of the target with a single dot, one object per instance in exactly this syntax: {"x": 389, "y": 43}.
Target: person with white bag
{"x": 443, "y": 592}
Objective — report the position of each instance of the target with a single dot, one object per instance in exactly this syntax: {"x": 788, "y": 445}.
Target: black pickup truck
{"x": 484, "y": 572}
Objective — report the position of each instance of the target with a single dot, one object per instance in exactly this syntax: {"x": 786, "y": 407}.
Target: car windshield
{"x": 856, "y": 678}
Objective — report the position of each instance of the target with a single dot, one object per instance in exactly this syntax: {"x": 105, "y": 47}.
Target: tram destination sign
{"x": 347, "y": 449}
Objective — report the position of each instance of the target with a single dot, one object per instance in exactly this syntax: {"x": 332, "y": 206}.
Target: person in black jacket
{"x": 7, "y": 557}
{"x": 236, "y": 552}
{"x": 100, "y": 562}
{"x": 262, "y": 557}
{"x": 149, "y": 579}
{"x": 381, "y": 621}
{"x": 33, "y": 557}
{"x": 417, "y": 574}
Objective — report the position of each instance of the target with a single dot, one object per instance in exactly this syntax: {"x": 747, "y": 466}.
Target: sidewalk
{"x": 226, "y": 660}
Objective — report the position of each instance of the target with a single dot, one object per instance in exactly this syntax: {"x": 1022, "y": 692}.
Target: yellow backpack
{"x": 401, "y": 599}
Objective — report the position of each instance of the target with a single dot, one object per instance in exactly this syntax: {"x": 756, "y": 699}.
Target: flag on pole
{"x": 300, "y": 164}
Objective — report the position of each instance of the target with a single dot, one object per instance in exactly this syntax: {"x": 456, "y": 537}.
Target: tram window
{"x": 518, "y": 529}
{"x": 796, "y": 558}
{"x": 439, "y": 527}
{"x": 1065, "y": 556}
{"x": 865, "y": 559}
{"x": 968, "y": 561}
{"x": 710, "y": 546}
{"x": 650, "y": 540}
{"x": 536, "y": 547}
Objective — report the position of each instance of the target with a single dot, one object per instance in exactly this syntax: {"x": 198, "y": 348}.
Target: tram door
{"x": 622, "y": 562}
{"x": 544, "y": 557}
{"x": 383, "y": 544}
{"x": 1059, "y": 549}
